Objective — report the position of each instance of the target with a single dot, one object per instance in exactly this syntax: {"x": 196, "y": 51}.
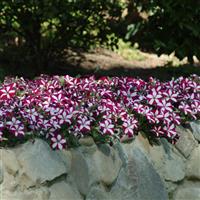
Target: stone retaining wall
{"x": 131, "y": 171}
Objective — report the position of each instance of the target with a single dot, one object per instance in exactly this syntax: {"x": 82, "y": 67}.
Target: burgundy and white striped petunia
{"x": 165, "y": 106}
{"x": 158, "y": 130}
{"x": 107, "y": 127}
{"x": 129, "y": 126}
{"x": 170, "y": 129}
{"x": 7, "y": 91}
{"x": 185, "y": 108}
{"x": 48, "y": 105}
{"x": 58, "y": 142}
{"x": 15, "y": 126}
{"x": 170, "y": 95}
{"x": 83, "y": 124}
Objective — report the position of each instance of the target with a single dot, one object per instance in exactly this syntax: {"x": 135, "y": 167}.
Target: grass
{"x": 129, "y": 52}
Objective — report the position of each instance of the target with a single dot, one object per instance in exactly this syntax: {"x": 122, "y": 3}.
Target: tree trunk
{"x": 190, "y": 59}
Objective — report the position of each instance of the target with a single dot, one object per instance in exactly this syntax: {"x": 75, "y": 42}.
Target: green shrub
{"x": 128, "y": 52}
{"x": 170, "y": 26}
{"x": 36, "y": 32}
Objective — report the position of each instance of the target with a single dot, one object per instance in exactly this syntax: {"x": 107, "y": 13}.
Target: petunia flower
{"x": 58, "y": 142}
{"x": 106, "y": 127}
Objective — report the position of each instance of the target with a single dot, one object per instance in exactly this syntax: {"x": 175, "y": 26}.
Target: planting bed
{"x": 62, "y": 109}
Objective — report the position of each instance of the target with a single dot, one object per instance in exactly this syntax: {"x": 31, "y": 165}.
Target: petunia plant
{"x": 62, "y": 109}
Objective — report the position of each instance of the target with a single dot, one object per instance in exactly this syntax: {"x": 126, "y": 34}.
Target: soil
{"x": 104, "y": 59}
{"x": 103, "y": 62}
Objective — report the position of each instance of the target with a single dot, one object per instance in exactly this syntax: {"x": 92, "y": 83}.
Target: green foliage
{"x": 171, "y": 26}
{"x": 129, "y": 52}
{"x": 35, "y": 33}
{"x": 2, "y": 75}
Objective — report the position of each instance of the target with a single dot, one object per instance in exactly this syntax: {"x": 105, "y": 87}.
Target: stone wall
{"x": 130, "y": 171}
